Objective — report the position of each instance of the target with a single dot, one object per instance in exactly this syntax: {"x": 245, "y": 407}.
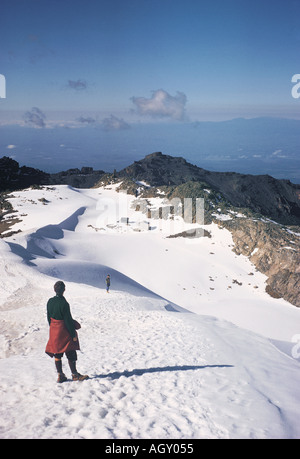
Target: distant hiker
{"x": 62, "y": 334}
{"x": 107, "y": 280}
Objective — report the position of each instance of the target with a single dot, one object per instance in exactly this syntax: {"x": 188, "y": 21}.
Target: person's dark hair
{"x": 59, "y": 287}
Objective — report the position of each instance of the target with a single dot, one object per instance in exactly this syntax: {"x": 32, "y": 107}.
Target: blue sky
{"x": 104, "y": 82}
{"x": 148, "y": 60}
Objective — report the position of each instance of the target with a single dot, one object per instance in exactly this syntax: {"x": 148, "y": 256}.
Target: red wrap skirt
{"x": 60, "y": 340}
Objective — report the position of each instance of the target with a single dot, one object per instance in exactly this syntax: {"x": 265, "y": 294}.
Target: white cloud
{"x": 11, "y": 147}
{"x": 278, "y": 154}
{"x": 162, "y": 105}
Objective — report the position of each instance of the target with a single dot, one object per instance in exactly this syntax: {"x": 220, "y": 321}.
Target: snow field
{"x": 213, "y": 369}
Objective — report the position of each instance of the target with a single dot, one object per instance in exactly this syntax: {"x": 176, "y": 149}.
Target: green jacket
{"x": 58, "y": 308}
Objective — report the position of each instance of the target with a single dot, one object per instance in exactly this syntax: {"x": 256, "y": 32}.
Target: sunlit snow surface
{"x": 177, "y": 349}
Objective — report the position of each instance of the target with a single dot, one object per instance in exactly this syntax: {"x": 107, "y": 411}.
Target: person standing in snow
{"x": 107, "y": 280}
{"x": 62, "y": 334}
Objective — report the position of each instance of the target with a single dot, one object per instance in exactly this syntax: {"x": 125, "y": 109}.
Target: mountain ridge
{"x": 274, "y": 198}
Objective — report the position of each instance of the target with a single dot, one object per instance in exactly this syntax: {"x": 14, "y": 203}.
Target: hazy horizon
{"x": 254, "y": 146}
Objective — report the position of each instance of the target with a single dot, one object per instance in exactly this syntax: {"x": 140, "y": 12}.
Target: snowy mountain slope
{"x": 213, "y": 369}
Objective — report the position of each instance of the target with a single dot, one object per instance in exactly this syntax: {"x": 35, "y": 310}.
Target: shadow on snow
{"x": 140, "y": 372}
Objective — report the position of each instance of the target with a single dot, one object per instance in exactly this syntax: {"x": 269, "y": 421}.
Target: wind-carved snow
{"x": 187, "y": 344}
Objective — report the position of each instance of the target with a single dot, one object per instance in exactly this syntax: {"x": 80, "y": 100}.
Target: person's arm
{"x": 68, "y": 319}
{"x": 48, "y": 312}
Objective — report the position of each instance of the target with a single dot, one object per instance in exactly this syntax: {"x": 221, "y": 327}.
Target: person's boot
{"x": 75, "y": 375}
{"x": 61, "y": 377}
{"x": 78, "y": 377}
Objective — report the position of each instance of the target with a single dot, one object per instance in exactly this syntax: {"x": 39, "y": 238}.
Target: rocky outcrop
{"x": 13, "y": 177}
{"x": 158, "y": 169}
{"x": 274, "y": 250}
{"x": 86, "y": 177}
{"x": 276, "y": 199}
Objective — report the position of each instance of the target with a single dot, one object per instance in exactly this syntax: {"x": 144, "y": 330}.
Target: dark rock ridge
{"x": 13, "y": 177}
{"x": 276, "y": 199}
{"x": 86, "y": 177}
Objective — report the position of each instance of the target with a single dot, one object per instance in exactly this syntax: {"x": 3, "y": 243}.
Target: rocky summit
{"x": 276, "y": 199}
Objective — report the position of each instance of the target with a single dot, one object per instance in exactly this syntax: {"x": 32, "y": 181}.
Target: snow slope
{"x": 186, "y": 345}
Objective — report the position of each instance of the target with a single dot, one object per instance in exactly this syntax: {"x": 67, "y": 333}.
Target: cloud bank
{"x": 162, "y": 105}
